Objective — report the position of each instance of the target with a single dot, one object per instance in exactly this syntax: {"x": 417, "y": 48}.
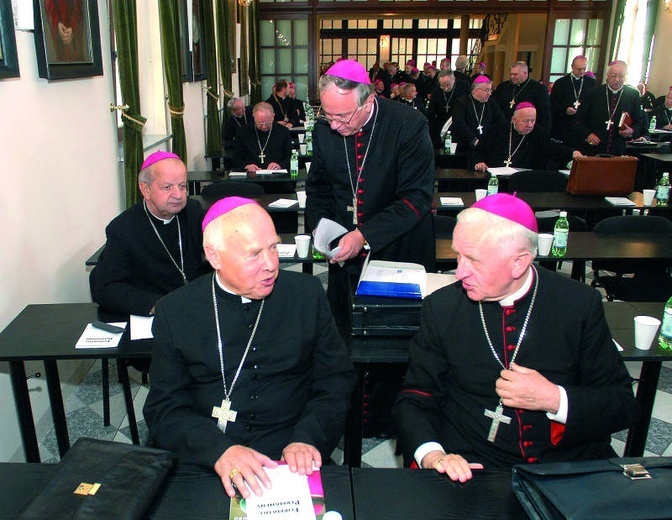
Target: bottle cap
{"x": 563, "y": 213}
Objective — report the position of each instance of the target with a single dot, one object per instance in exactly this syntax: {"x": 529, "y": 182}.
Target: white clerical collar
{"x": 513, "y": 298}
{"x": 165, "y": 221}
{"x": 614, "y": 91}
{"x": 573, "y": 76}
{"x": 375, "y": 102}
{"x": 224, "y": 288}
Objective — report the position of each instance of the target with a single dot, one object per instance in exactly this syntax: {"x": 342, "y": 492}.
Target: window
{"x": 574, "y": 37}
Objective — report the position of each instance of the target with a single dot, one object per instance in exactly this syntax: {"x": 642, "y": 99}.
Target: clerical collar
{"x": 513, "y": 298}
{"x": 375, "y": 106}
{"x": 573, "y": 76}
{"x": 165, "y": 221}
{"x": 614, "y": 91}
{"x": 224, "y": 288}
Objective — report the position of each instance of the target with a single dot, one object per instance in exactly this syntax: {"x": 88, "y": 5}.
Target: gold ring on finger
{"x": 233, "y": 473}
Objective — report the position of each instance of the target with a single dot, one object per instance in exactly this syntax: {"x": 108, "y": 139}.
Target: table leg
{"x": 122, "y": 367}
{"x": 352, "y": 446}
{"x": 24, "y": 411}
{"x": 646, "y": 395}
{"x": 105, "y": 376}
{"x": 57, "y": 407}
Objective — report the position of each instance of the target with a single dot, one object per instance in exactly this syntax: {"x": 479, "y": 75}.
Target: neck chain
{"x": 510, "y": 158}
{"x": 667, "y": 114}
{"x": 610, "y": 112}
{"x": 262, "y": 155}
{"x": 354, "y": 185}
{"x": 284, "y": 114}
{"x": 479, "y": 119}
{"x": 448, "y": 99}
{"x": 522, "y": 331}
{"x": 238, "y": 122}
{"x": 225, "y": 414}
{"x": 514, "y": 94}
{"x": 577, "y": 96}
{"x": 180, "y": 267}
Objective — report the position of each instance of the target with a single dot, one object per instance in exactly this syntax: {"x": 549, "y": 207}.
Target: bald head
{"x": 617, "y": 73}
{"x": 523, "y": 120}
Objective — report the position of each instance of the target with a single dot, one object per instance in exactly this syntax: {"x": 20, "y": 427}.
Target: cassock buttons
{"x": 254, "y": 397}
{"x": 527, "y": 444}
{"x": 360, "y": 191}
{"x": 510, "y": 328}
{"x": 532, "y": 460}
{"x": 509, "y": 311}
{"x": 527, "y": 427}
{"x": 511, "y": 347}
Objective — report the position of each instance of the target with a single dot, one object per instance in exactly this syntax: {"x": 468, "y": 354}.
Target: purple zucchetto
{"x": 351, "y": 70}
{"x": 482, "y": 79}
{"x": 524, "y": 104}
{"x": 156, "y": 157}
{"x": 223, "y": 206}
{"x": 509, "y": 207}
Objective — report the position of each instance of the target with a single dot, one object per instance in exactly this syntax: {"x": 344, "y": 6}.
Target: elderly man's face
{"x": 263, "y": 120}
{"x": 523, "y": 120}
{"x": 486, "y": 269}
{"x": 238, "y": 108}
{"x": 579, "y": 68}
{"x": 668, "y": 100}
{"x": 166, "y": 193}
{"x": 340, "y": 107}
{"x": 518, "y": 75}
{"x": 482, "y": 92}
{"x": 411, "y": 92}
{"x": 281, "y": 93}
{"x": 446, "y": 83}
{"x": 616, "y": 76}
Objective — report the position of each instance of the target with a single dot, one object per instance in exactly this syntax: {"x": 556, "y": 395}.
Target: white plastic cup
{"x": 308, "y": 163}
{"x": 646, "y": 328}
{"x": 332, "y": 515}
{"x": 303, "y": 148}
{"x": 648, "y": 196}
{"x": 302, "y": 137}
{"x": 480, "y": 194}
{"x": 453, "y": 148}
{"x": 545, "y": 243}
{"x": 301, "y": 196}
{"x": 302, "y": 245}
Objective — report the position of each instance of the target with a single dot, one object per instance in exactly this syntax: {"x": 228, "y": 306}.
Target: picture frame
{"x": 67, "y": 39}
{"x": 9, "y": 62}
{"x": 191, "y": 44}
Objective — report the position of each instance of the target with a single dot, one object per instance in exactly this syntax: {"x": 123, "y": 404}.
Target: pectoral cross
{"x": 497, "y": 417}
{"x": 262, "y": 156}
{"x": 224, "y": 414}
{"x": 353, "y": 208}
{"x": 480, "y": 129}
{"x": 577, "y": 104}
{"x": 513, "y": 102}
{"x": 508, "y": 162}
{"x": 609, "y": 123}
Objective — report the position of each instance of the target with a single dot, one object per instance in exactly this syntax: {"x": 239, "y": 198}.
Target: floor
{"x": 84, "y": 414}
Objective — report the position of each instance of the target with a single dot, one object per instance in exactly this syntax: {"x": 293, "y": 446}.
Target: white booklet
{"x": 619, "y": 201}
{"x": 288, "y": 498}
{"x": 97, "y": 338}
{"x": 505, "y": 171}
{"x": 286, "y": 250}
{"x": 392, "y": 279}
{"x": 451, "y": 201}
{"x": 326, "y": 232}
{"x": 283, "y": 203}
{"x": 270, "y": 172}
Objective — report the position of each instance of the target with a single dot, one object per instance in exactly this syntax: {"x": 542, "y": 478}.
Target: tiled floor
{"x": 84, "y": 415}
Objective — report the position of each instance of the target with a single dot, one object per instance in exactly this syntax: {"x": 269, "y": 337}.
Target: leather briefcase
{"x": 618, "y": 488}
{"x": 602, "y": 176}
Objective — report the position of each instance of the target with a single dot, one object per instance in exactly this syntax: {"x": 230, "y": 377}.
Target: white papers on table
{"x": 451, "y": 201}
{"x": 286, "y": 250}
{"x": 565, "y": 172}
{"x": 446, "y": 127}
{"x": 660, "y": 131}
{"x": 392, "y": 279}
{"x": 326, "y": 232}
{"x": 619, "y": 201}
{"x": 97, "y": 338}
{"x": 287, "y": 499}
{"x": 237, "y": 174}
{"x": 141, "y": 327}
{"x": 283, "y": 203}
{"x": 618, "y": 346}
{"x": 270, "y": 172}
{"x": 506, "y": 171}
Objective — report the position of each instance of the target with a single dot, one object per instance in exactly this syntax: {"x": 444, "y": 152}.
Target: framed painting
{"x": 67, "y": 39}
{"x": 9, "y": 63}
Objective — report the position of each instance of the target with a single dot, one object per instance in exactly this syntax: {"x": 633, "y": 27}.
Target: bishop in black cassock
{"x": 443, "y": 102}
{"x": 568, "y": 93}
{"x": 260, "y": 147}
{"x": 509, "y": 93}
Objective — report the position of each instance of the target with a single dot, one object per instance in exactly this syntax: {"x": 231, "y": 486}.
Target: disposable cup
{"x": 545, "y": 243}
{"x": 480, "y": 194}
{"x": 301, "y": 196}
{"x": 302, "y": 137}
{"x": 302, "y": 245}
{"x": 303, "y": 148}
{"x": 308, "y": 163}
{"x": 648, "y": 196}
{"x": 646, "y": 328}
{"x": 453, "y": 148}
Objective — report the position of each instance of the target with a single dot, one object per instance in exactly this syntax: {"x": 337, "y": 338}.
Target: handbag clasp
{"x": 635, "y": 471}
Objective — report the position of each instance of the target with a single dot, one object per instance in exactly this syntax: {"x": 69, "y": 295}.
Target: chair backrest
{"x": 538, "y": 181}
{"x": 218, "y": 190}
{"x": 634, "y": 224}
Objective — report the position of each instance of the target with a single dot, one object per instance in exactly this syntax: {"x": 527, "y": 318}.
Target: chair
{"x": 218, "y": 190}
{"x": 646, "y": 280}
{"x": 443, "y": 228}
{"x": 538, "y": 181}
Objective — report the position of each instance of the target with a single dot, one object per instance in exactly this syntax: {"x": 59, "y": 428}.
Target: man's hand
{"x": 300, "y": 458}
{"x": 625, "y": 131}
{"x": 252, "y": 168}
{"x": 480, "y": 167}
{"x": 274, "y": 166}
{"x": 525, "y": 388}
{"x": 571, "y": 111}
{"x": 351, "y": 244}
{"x": 239, "y": 465}
{"x": 593, "y": 140}
{"x": 455, "y": 466}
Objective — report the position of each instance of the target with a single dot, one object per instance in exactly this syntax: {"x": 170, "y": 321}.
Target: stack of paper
{"x": 237, "y": 174}
{"x": 286, "y": 250}
{"x": 619, "y": 201}
{"x": 326, "y": 232}
{"x": 506, "y": 171}
{"x": 97, "y": 338}
{"x": 283, "y": 203}
{"x": 270, "y": 172}
{"x": 451, "y": 201}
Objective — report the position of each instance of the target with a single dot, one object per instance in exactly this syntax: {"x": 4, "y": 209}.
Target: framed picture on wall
{"x": 9, "y": 63}
{"x": 191, "y": 40}
{"x": 67, "y": 39}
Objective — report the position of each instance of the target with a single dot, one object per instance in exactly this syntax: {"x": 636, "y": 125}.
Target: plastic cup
{"x": 302, "y": 137}
{"x": 302, "y": 245}
{"x": 303, "y": 148}
{"x": 301, "y": 196}
{"x": 308, "y": 163}
{"x": 545, "y": 243}
{"x": 646, "y": 328}
{"x": 480, "y": 193}
{"x": 453, "y": 148}
{"x": 648, "y": 196}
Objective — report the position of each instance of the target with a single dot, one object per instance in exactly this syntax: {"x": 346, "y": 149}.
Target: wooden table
{"x": 459, "y": 179}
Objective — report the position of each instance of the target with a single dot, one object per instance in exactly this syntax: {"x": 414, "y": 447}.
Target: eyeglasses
{"x": 487, "y": 90}
{"x": 265, "y": 123}
{"x": 341, "y": 120}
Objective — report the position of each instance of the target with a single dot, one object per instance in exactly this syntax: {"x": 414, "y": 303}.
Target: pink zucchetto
{"x": 223, "y": 206}
{"x": 509, "y": 207}
{"x": 156, "y": 157}
{"x": 524, "y": 104}
{"x": 350, "y": 70}
{"x": 482, "y": 79}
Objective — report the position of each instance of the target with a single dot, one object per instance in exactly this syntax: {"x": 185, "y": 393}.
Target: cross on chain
{"x": 224, "y": 414}
{"x": 497, "y": 417}
{"x": 577, "y": 104}
{"x": 508, "y": 162}
{"x": 513, "y": 102}
{"x": 353, "y": 208}
{"x": 609, "y": 123}
{"x": 262, "y": 156}
{"x": 480, "y": 129}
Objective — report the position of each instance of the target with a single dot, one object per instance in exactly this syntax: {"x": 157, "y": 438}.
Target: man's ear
{"x": 144, "y": 189}
{"x": 520, "y": 263}
{"x": 212, "y": 256}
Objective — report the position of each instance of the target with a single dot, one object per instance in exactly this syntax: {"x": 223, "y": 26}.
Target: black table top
{"x": 210, "y": 176}
{"x": 538, "y": 201}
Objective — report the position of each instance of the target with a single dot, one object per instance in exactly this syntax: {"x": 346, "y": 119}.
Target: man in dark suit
{"x": 241, "y": 115}
{"x": 566, "y": 97}
{"x": 523, "y": 88}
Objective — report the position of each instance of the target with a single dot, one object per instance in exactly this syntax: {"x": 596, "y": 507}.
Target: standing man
{"x": 240, "y": 116}
{"x": 282, "y": 106}
{"x": 409, "y": 97}
{"x": 239, "y": 378}
{"x": 512, "y": 364}
{"x": 265, "y": 145}
{"x": 596, "y": 125}
{"x": 568, "y": 93}
{"x": 442, "y": 102}
{"x": 153, "y": 247}
{"x": 523, "y": 88}
{"x": 460, "y": 71}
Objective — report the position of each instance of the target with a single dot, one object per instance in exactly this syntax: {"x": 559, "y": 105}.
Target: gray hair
{"x": 461, "y": 62}
{"x": 520, "y": 65}
{"x": 233, "y": 100}
{"x": 262, "y": 105}
{"x": 446, "y": 72}
{"x": 363, "y": 90}
{"x": 507, "y": 233}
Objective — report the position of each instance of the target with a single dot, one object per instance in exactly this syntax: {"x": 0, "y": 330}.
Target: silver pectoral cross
{"x": 577, "y": 104}
{"x": 480, "y": 129}
{"x": 262, "y": 156}
{"x": 508, "y": 162}
{"x": 224, "y": 414}
{"x": 609, "y": 123}
{"x": 497, "y": 417}
{"x": 353, "y": 208}
{"x": 513, "y": 102}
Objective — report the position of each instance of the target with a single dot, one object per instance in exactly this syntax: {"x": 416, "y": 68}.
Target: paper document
{"x": 619, "y": 201}
{"x": 506, "y": 171}
{"x": 392, "y": 279}
{"x": 288, "y": 499}
{"x": 96, "y": 338}
{"x": 286, "y": 250}
{"x": 141, "y": 327}
{"x": 565, "y": 172}
{"x": 237, "y": 174}
{"x": 451, "y": 201}
{"x": 326, "y": 232}
{"x": 270, "y": 172}
{"x": 283, "y": 203}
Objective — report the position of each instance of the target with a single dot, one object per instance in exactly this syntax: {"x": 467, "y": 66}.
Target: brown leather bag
{"x": 612, "y": 176}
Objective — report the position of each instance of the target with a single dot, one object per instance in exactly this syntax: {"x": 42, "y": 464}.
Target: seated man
{"x": 240, "y": 378}
{"x": 240, "y": 116}
{"x": 264, "y": 145}
{"x": 512, "y": 364}
{"x": 663, "y": 113}
{"x": 520, "y": 143}
{"x": 154, "y": 246}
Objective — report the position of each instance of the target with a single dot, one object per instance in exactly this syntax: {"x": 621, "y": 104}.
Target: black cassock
{"x": 468, "y": 115}
{"x": 441, "y": 107}
{"x": 530, "y": 90}
{"x": 250, "y": 141}
{"x": 564, "y": 95}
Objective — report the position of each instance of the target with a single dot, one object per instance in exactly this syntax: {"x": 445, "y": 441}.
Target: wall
{"x": 660, "y": 76}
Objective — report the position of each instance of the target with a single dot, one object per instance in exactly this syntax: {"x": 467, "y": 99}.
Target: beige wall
{"x": 661, "y": 75}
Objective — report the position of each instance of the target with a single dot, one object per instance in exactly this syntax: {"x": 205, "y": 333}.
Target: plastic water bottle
{"x": 447, "y": 142}
{"x": 294, "y": 164}
{"x": 652, "y": 124}
{"x": 665, "y": 336}
{"x": 309, "y": 142}
{"x": 560, "y": 235}
{"x": 493, "y": 185}
{"x": 663, "y": 189}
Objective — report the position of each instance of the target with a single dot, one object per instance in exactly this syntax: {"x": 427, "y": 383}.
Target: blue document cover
{"x": 392, "y": 279}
